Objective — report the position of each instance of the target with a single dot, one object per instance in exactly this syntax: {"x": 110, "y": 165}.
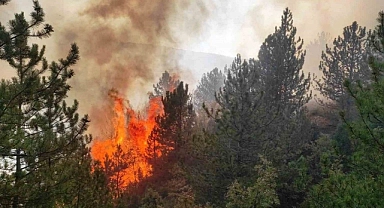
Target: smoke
{"x": 318, "y": 22}
{"x": 126, "y": 45}
{"x": 311, "y": 18}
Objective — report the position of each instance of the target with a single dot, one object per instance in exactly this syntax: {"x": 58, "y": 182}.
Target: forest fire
{"x": 131, "y": 130}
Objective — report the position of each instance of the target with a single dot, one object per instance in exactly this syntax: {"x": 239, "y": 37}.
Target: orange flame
{"x": 131, "y": 133}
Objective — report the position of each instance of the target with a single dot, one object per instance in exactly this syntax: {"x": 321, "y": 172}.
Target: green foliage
{"x": 367, "y": 133}
{"x": 239, "y": 122}
{"x": 179, "y": 192}
{"x": 205, "y": 169}
{"x": 20, "y": 30}
{"x": 169, "y": 148}
{"x": 167, "y": 82}
{"x": 240, "y": 118}
{"x": 362, "y": 185}
{"x": 174, "y": 192}
{"x": 377, "y": 44}
{"x": 303, "y": 178}
{"x": 115, "y": 167}
{"x": 347, "y": 59}
{"x": 347, "y": 190}
{"x": 204, "y": 98}
{"x": 256, "y": 108}
{"x": 96, "y": 192}
{"x": 173, "y": 129}
{"x": 208, "y": 87}
{"x": 281, "y": 59}
{"x": 261, "y": 193}
{"x": 151, "y": 199}
{"x": 286, "y": 91}
{"x": 342, "y": 139}
{"x": 46, "y": 160}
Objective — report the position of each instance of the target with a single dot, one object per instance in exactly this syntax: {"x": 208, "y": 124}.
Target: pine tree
{"x": 261, "y": 192}
{"x": 281, "y": 59}
{"x": 172, "y": 134}
{"x": 42, "y": 138}
{"x": 362, "y": 185}
{"x": 151, "y": 199}
{"x": 167, "y": 82}
{"x": 173, "y": 127}
{"x": 115, "y": 167}
{"x": 209, "y": 85}
{"x": 313, "y": 52}
{"x": 286, "y": 88}
{"x": 367, "y": 134}
{"x": 346, "y": 60}
{"x": 3, "y": 2}
{"x": 204, "y": 98}
{"x": 377, "y": 45}
{"x": 240, "y": 120}
{"x": 96, "y": 192}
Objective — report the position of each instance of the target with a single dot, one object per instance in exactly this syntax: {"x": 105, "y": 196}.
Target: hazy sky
{"x": 234, "y": 26}
{"x": 105, "y": 31}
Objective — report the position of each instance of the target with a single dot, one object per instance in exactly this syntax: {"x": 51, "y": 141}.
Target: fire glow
{"x": 131, "y": 131}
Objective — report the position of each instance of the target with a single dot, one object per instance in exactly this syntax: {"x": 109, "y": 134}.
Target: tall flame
{"x": 131, "y": 131}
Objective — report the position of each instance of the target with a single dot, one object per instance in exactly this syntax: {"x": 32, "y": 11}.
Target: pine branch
{"x": 4, "y": 2}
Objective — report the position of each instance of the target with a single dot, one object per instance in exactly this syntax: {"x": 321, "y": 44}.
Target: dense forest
{"x": 258, "y": 133}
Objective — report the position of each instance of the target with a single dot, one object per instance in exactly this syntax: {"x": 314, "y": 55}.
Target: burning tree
{"x": 128, "y": 141}
{"x": 116, "y": 166}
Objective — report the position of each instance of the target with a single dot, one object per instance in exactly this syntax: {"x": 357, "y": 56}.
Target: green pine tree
{"x": 286, "y": 88}
{"x": 261, "y": 192}
{"x": 209, "y": 85}
{"x": 281, "y": 58}
{"x": 346, "y": 60}
{"x": 42, "y": 139}
{"x": 167, "y": 82}
{"x": 173, "y": 128}
{"x": 204, "y": 98}
{"x": 231, "y": 150}
{"x": 240, "y": 117}
{"x": 362, "y": 185}
{"x": 171, "y": 136}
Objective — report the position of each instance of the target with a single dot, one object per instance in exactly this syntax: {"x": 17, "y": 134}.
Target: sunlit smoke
{"x": 126, "y": 45}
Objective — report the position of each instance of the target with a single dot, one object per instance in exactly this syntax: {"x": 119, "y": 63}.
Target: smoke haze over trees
{"x": 191, "y": 104}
